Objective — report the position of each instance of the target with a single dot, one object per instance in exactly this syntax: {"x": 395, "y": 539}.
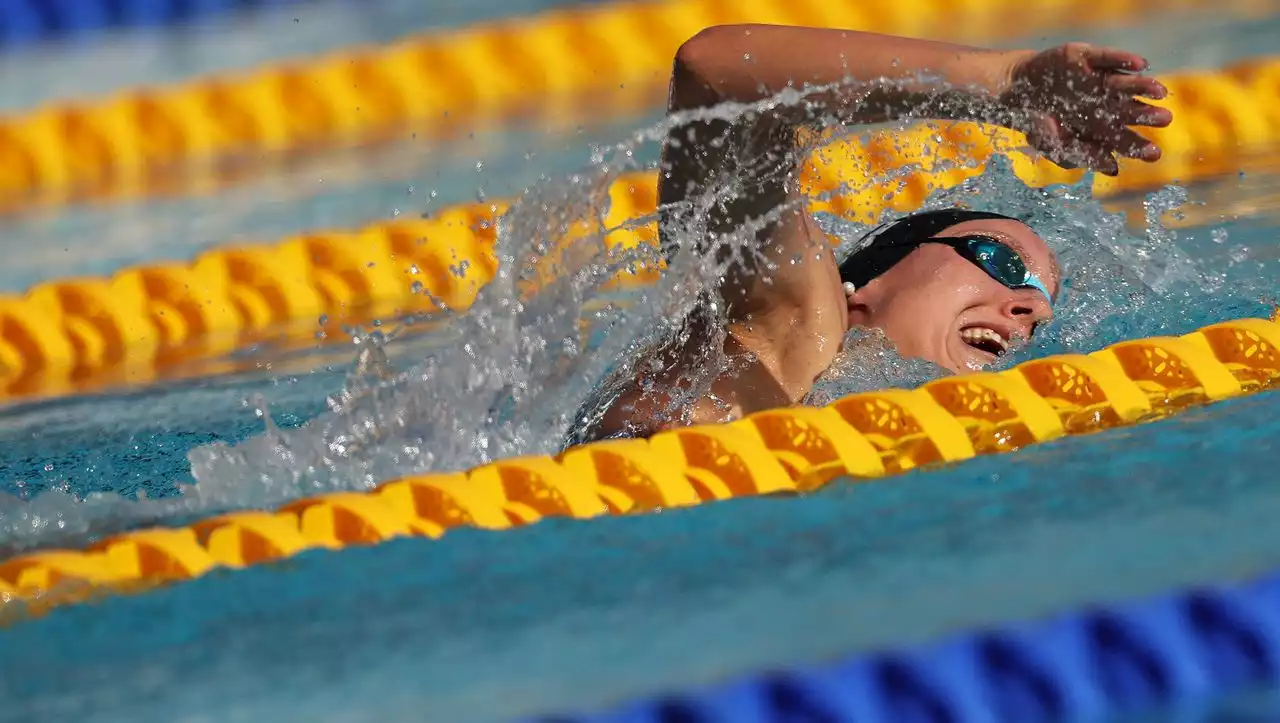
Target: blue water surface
{"x": 483, "y": 626}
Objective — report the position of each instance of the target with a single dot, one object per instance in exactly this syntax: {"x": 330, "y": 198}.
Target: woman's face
{"x": 937, "y": 305}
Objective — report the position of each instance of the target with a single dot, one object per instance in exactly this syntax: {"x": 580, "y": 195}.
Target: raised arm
{"x": 748, "y": 63}
{"x": 1075, "y": 103}
{"x": 727, "y": 170}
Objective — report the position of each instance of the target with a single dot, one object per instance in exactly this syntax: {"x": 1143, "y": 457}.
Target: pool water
{"x": 567, "y": 615}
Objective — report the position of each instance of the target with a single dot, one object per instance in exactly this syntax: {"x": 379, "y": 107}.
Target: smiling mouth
{"x": 985, "y": 340}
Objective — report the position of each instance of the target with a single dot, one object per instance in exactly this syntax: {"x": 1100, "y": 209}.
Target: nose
{"x": 1027, "y": 310}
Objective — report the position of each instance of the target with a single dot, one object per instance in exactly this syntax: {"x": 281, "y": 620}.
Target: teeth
{"x": 980, "y": 333}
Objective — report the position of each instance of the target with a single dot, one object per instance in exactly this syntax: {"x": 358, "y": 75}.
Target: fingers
{"x": 1136, "y": 85}
{"x": 1123, "y": 141}
{"x": 1117, "y": 138}
{"x": 1120, "y": 114}
{"x": 1103, "y": 153}
{"x": 1129, "y": 144}
{"x": 1092, "y": 116}
{"x": 1115, "y": 59}
{"x": 1137, "y": 113}
{"x": 1096, "y": 156}
{"x": 1070, "y": 150}
{"x": 1063, "y": 147}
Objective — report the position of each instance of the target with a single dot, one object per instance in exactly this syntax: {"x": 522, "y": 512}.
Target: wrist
{"x": 1005, "y": 69}
{"x": 978, "y": 85}
{"x": 1001, "y": 70}
{"x": 985, "y": 87}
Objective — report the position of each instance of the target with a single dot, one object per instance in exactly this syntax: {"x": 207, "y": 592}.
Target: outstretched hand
{"x": 1076, "y": 104}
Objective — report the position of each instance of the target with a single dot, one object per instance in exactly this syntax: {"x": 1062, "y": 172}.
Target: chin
{"x": 969, "y": 360}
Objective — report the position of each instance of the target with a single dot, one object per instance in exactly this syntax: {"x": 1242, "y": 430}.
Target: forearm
{"x": 859, "y": 77}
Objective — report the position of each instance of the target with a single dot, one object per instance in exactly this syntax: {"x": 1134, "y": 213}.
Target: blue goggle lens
{"x": 1004, "y": 265}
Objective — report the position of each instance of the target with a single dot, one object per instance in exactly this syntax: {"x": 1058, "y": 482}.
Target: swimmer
{"x": 955, "y": 287}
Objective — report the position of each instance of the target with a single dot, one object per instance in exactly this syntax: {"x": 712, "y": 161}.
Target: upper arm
{"x": 737, "y": 175}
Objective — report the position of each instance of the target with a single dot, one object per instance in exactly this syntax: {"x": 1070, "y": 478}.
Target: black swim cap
{"x": 892, "y": 242}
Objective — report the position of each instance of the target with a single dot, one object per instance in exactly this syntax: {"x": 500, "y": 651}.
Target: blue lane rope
{"x": 26, "y": 22}
{"x": 1131, "y": 658}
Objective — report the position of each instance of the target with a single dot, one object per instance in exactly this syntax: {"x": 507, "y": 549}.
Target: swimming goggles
{"x": 996, "y": 258}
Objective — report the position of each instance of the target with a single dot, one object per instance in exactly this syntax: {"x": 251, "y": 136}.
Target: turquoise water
{"x": 566, "y": 615}
{"x": 485, "y": 626}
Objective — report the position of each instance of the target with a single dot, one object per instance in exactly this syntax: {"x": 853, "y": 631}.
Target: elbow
{"x": 699, "y": 52}
{"x": 695, "y": 49}
{"x": 694, "y": 71}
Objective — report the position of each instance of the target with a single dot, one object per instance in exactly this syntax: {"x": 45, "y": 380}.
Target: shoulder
{"x": 633, "y": 413}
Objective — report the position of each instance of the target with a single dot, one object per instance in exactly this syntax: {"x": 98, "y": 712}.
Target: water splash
{"x": 511, "y": 387}
{"x": 869, "y": 362}
{"x": 548, "y": 329}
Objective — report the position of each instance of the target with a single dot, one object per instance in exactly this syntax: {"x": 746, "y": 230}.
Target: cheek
{"x": 943, "y": 296}
{"x": 925, "y": 297}
{"x": 921, "y": 319}
{"x": 915, "y": 320}
{"x": 967, "y": 287}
